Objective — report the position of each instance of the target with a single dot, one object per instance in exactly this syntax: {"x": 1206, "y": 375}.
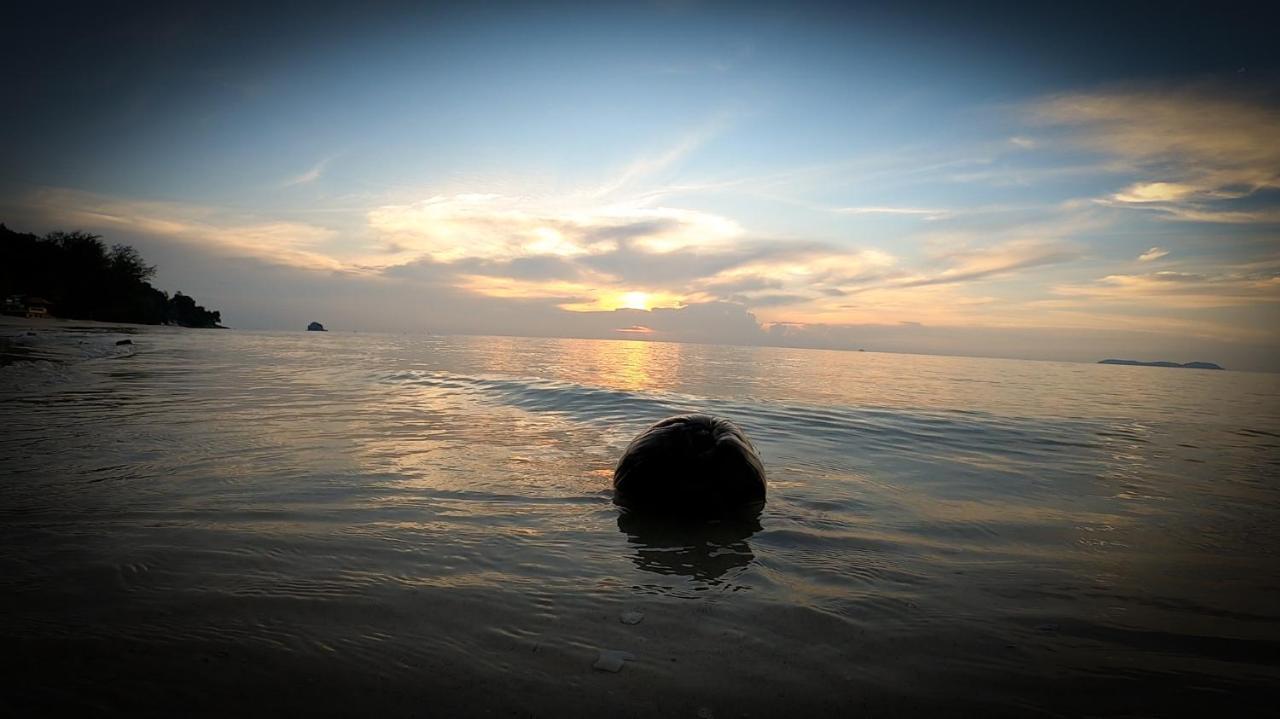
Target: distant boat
{"x": 316, "y": 327}
{"x": 1188, "y": 365}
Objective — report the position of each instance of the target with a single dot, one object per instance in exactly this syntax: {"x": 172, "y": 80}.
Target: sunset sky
{"x": 1066, "y": 183}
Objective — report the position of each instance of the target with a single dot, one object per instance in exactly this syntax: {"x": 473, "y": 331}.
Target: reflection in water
{"x": 703, "y": 550}
{"x": 631, "y": 363}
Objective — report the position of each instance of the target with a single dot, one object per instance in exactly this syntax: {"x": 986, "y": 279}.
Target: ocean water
{"x": 225, "y": 522}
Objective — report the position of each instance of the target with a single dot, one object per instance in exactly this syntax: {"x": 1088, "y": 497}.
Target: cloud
{"x": 1156, "y": 192}
{"x": 771, "y": 299}
{"x": 1153, "y": 254}
{"x": 1246, "y": 285}
{"x": 1198, "y": 213}
{"x": 806, "y": 280}
{"x": 450, "y": 228}
{"x": 602, "y": 259}
{"x": 856, "y": 286}
{"x": 562, "y": 254}
{"x": 294, "y": 244}
{"x": 696, "y": 266}
{"x": 647, "y": 166}
{"x": 306, "y": 178}
{"x": 804, "y": 271}
{"x": 1197, "y": 150}
{"x": 582, "y": 257}
{"x": 534, "y": 269}
{"x": 1005, "y": 258}
{"x": 959, "y": 277}
{"x": 727, "y": 322}
{"x": 928, "y": 214}
{"x": 750, "y": 291}
{"x": 989, "y": 252}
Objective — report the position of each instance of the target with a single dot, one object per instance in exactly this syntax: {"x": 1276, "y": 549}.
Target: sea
{"x": 228, "y": 523}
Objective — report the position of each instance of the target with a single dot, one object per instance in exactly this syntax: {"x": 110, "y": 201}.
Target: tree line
{"x": 82, "y": 278}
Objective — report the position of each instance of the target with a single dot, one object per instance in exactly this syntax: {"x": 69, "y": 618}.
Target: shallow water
{"x": 217, "y": 521}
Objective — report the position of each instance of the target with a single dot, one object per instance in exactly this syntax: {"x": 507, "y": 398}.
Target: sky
{"x": 1067, "y": 182}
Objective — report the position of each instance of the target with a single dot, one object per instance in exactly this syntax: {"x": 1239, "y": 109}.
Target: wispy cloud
{"x": 1003, "y": 259}
{"x": 810, "y": 272}
{"x": 1197, "y": 150}
{"x": 926, "y": 213}
{"x": 647, "y": 167}
{"x": 1229, "y": 286}
{"x": 310, "y": 176}
{"x": 280, "y": 242}
{"x": 828, "y": 285}
{"x": 1202, "y": 213}
{"x": 1153, "y": 254}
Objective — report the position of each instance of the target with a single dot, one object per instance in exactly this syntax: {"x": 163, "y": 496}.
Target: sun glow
{"x": 634, "y": 300}
{"x": 608, "y": 301}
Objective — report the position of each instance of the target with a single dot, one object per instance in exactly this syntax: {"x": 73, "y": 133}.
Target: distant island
{"x": 316, "y": 327}
{"x": 74, "y": 275}
{"x": 1188, "y": 365}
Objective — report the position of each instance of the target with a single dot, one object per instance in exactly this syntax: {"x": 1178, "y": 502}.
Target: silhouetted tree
{"x": 184, "y": 311}
{"x": 127, "y": 264}
{"x": 85, "y": 280}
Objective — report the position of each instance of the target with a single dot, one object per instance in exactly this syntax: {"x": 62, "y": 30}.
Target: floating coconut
{"x": 693, "y": 463}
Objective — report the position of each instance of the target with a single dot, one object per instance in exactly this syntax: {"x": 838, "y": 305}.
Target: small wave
{"x": 64, "y": 346}
{"x": 970, "y": 436}
{"x": 30, "y": 359}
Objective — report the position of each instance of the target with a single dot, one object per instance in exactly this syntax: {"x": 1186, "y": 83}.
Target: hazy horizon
{"x": 1034, "y": 183}
{"x": 775, "y": 345}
